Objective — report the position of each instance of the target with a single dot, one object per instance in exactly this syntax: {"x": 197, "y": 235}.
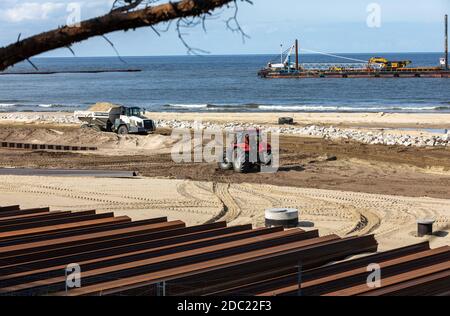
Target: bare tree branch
{"x": 233, "y": 22}
{"x": 184, "y": 23}
{"x": 119, "y": 6}
{"x": 116, "y": 20}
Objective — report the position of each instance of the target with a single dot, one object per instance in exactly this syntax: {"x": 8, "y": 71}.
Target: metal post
{"x": 296, "y": 55}
{"x": 289, "y": 63}
{"x": 446, "y": 42}
{"x": 65, "y": 281}
{"x": 299, "y": 280}
{"x": 281, "y": 48}
{"x": 161, "y": 289}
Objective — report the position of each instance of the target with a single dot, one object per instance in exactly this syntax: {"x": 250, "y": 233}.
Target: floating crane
{"x": 353, "y": 68}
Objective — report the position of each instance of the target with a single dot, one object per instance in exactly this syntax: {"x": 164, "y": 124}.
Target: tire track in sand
{"x": 231, "y": 209}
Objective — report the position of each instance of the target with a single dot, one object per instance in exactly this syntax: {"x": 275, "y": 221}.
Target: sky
{"x": 350, "y": 26}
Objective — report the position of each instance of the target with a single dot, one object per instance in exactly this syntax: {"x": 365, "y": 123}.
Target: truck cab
{"x": 133, "y": 111}
{"x": 132, "y": 120}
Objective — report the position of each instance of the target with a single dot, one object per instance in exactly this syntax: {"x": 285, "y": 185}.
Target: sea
{"x": 216, "y": 84}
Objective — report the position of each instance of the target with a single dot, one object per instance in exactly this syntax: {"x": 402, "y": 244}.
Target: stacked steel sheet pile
{"x": 120, "y": 257}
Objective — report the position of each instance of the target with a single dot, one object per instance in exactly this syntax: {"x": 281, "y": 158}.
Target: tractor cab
{"x": 246, "y": 138}
{"x": 246, "y": 150}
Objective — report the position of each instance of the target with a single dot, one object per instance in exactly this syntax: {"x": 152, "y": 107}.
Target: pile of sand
{"x": 107, "y": 143}
{"x": 138, "y": 144}
{"x": 103, "y": 107}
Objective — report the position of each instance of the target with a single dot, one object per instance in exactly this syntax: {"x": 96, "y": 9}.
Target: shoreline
{"x": 339, "y": 119}
{"x": 419, "y": 130}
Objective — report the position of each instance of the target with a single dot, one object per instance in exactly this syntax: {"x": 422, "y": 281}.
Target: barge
{"x": 375, "y": 67}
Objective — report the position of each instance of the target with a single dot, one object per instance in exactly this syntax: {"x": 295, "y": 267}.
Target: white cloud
{"x": 14, "y": 11}
{"x": 32, "y": 11}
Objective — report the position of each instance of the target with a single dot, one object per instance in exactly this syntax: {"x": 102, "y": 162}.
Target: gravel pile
{"x": 334, "y": 133}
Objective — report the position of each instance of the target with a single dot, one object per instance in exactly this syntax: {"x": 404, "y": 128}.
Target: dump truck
{"x": 122, "y": 120}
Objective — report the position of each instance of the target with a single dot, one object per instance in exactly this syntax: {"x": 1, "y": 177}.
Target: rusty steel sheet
{"x": 202, "y": 283}
{"x": 109, "y": 238}
{"x": 435, "y": 284}
{"x": 24, "y": 240}
{"x": 279, "y": 279}
{"x": 52, "y": 147}
{"x": 396, "y": 279}
{"x": 364, "y": 261}
{"x": 119, "y": 256}
{"x": 353, "y": 277}
{"x": 102, "y": 252}
{"x": 25, "y": 212}
{"x": 9, "y": 208}
{"x": 286, "y": 251}
{"x": 389, "y": 268}
{"x": 171, "y": 260}
{"x": 31, "y": 217}
{"x": 156, "y": 248}
{"x": 62, "y": 227}
{"x": 71, "y": 218}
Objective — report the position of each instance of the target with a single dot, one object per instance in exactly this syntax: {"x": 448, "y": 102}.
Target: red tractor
{"x": 246, "y": 151}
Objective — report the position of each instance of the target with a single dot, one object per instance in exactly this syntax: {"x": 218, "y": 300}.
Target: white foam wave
{"x": 189, "y": 106}
{"x": 346, "y": 108}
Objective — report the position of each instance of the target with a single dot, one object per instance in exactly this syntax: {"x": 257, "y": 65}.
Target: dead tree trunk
{"x": 116, "y": 20}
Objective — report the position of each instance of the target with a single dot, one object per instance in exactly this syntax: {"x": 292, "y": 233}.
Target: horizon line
{"x": 244, "y": 54}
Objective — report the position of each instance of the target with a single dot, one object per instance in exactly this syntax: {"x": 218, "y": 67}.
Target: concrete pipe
{"x": 286, "y": 217}
{"x": 425, "y": 227}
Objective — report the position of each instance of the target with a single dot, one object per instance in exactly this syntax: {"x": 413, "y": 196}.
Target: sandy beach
{"x": 339, "y": 185}
{"x": 359, "y": 120}
{"x": 419, "y": 130}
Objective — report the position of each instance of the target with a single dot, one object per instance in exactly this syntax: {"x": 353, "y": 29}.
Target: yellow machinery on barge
{"x": 375, "y": 67}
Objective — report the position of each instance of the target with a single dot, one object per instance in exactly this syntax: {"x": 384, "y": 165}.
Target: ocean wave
{"x": 215, "y": 106}
{"x": 301, "y": 108}
{"x": 325, "y": 108}
{"x": 30, "y": 106}
{"x": 313, "y": 108}
{"x": 51, "y": 105}
{"x": 188, "y": 106}
{"x": 442, "y": 108}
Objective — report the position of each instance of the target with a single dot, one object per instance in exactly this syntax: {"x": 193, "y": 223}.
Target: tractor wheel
{"x": 266, "y": 158}
{"x": 123, "y": 130}
{"x": 240, "y": 161}
{"x": 225, "y": 164}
